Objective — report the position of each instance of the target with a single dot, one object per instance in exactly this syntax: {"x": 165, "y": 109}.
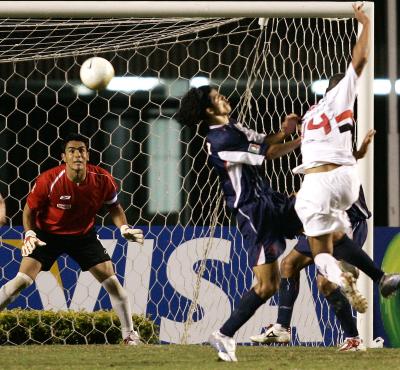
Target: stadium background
{"x": 33, "y": 116}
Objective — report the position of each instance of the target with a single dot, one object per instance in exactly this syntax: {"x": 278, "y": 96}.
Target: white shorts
{"x": 323, "y": 199}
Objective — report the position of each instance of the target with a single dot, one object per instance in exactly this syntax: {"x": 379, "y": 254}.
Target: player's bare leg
{"x": 322, "y": 248}
{"x": 28, "y": 271}
{"x": 104, "y": 273}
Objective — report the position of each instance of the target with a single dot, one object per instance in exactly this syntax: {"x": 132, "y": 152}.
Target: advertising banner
{"x": 162, "y": 279}
{"x": 387, "y": 311}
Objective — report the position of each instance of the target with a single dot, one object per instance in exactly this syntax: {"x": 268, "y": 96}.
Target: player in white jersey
{"x": 331, "y": 182}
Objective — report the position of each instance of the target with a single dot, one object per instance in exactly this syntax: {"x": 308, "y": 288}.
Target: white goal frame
{"x": 84, "y": 9}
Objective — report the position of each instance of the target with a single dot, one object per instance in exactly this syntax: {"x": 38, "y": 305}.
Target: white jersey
{"x": 327, "y": 127}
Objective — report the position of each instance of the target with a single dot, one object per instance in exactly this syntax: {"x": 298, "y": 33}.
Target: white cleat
{"x": 350, "y": 290}
{"x": 133, "y": 339}
{"x": 352, "y": 345}
{"x": 275, "y": 333}
{"x": 224, "y": 345}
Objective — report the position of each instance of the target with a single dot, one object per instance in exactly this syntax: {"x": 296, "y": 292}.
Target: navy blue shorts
{"x": 360, "y": 232}
{"x": 265, "y": 224}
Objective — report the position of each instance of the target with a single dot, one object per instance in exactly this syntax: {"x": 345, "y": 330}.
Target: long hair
{"x": 193, "y": 106}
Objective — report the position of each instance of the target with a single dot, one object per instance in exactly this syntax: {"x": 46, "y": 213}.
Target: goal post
{"x": 107, "y": 9}
{"x": 365, "y": 117}
{"x": 199, "y": 241}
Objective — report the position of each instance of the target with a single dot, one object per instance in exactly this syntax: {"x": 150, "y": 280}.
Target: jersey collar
{"x": 216, "y": 126}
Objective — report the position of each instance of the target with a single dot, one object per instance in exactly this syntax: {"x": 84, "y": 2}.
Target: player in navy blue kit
{"x": 265, "y": 217}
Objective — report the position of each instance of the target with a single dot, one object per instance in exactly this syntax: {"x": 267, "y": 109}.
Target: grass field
{"x": 191, "y": 358}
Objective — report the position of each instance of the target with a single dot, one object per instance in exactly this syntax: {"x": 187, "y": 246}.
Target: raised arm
{"x": 278, "y": 150}
{"x": 361, "y": 48}
{"x": 288, "y": 127}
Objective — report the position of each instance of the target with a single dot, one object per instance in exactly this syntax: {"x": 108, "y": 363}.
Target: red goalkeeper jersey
{"x": 64, "y": 207}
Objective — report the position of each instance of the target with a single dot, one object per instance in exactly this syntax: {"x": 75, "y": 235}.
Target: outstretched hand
{"x": 289, "y": 124}
{"x": 360, "y": 153}
{"x": 359, "y": 13}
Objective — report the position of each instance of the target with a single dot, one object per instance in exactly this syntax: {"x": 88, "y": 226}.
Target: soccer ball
{"x": 96, "y": 73}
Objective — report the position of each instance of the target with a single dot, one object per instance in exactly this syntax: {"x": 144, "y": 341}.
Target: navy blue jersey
{"x": 236, "y": 153}
{"x": 265, "y": 217}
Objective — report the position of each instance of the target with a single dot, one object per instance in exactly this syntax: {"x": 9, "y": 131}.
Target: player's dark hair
{"x": 73, "y": 136}
{"x": 193, "y": 106}
{"x": 334, "y": 80}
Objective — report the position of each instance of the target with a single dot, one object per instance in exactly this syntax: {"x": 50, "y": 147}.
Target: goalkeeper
{"x": 59, "y": 218}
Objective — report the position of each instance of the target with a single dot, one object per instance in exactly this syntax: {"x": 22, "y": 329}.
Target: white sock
{"x": 328, "y": 266}
{"x": 120, "y": 303}
{"x": 11, "y": 290}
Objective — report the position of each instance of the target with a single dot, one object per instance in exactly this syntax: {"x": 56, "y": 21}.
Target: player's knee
{"x": 337, "y": 236}
{"x": 114, "y": 287}
{"x": 288, "y": 268}
{"x": 325, "y": 287}
{"x": 267, "y": 289}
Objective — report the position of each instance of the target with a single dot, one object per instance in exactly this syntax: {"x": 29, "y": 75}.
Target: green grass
{"x": 191, "y": 357}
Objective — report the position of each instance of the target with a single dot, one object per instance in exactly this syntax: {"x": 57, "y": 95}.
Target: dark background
{"x": 38, "y": 105}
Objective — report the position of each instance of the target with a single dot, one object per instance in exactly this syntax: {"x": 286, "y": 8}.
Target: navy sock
{"x": 288, "y": 292}
{"x": 342, "y": 309}
{"x": 345, "y": 249}
{"x": 248, "y": 305}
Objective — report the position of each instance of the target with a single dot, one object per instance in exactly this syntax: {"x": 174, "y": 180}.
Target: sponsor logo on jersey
{"x": 63, "y": 206}
{"x": 65, "y": 197}
{"x": 254, "y": 148}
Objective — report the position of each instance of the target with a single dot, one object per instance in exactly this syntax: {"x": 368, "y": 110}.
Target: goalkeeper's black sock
{"x": 342, "y": 309}
{"x": 248, "y": 305}
{"x": 288, "y": 292}
{"x": 345, "y": 249}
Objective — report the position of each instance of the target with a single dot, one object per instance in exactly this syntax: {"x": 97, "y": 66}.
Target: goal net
{"x": 192, "y": 269}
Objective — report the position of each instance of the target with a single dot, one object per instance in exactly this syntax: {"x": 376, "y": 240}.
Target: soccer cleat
{"x": 133, "y": 339}
{"x": 275, "y": 333}
{"x": 389, "y": 284}
{"x": 347, "y": 267}
{"x": 352, "y": 345}
{"x": 224, "y": 345}
{"x": 350, "y": 290}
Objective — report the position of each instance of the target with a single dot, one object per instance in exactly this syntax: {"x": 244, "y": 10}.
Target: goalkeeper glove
{"x": 31, "y": 241}
{"x": 133, "y": 235}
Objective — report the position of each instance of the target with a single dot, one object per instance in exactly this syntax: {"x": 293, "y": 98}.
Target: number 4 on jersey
{"x": 324, "y": 123}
